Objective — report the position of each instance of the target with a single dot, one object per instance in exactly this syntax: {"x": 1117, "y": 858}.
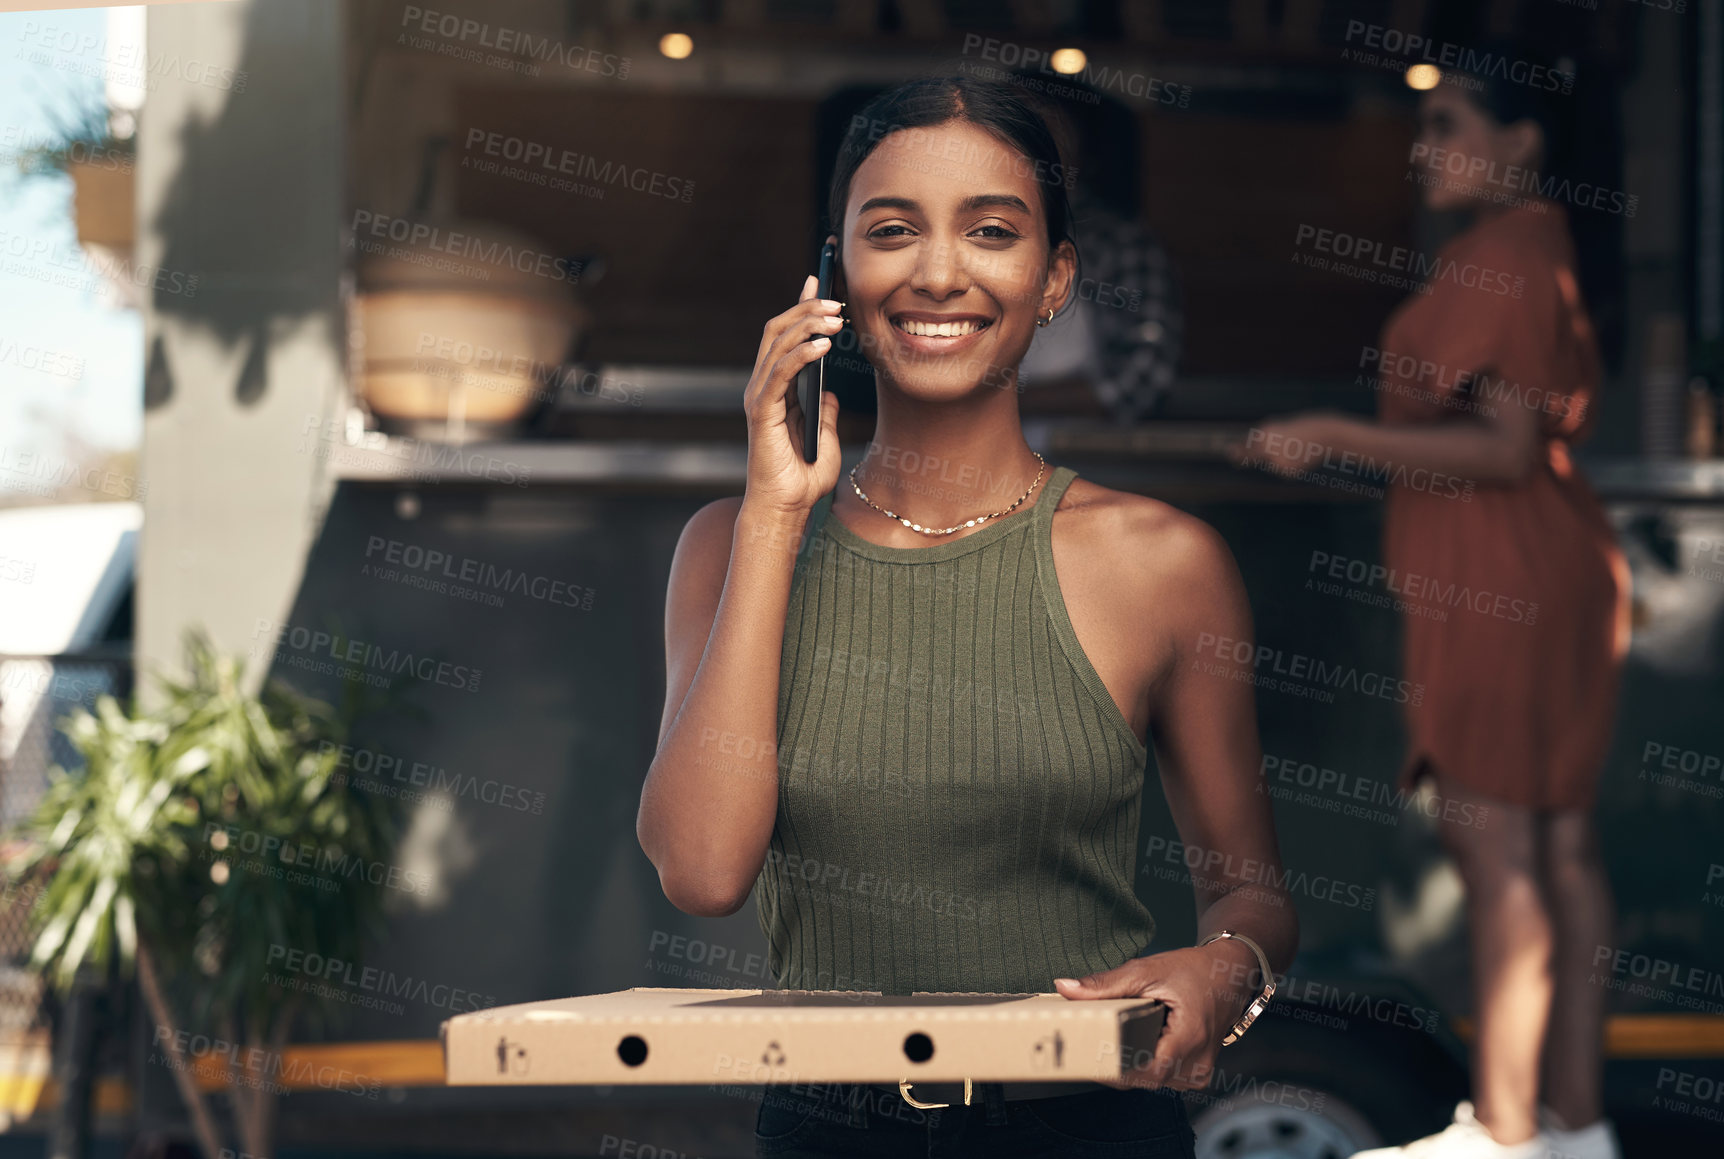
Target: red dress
{"x": 1514, "y": 596}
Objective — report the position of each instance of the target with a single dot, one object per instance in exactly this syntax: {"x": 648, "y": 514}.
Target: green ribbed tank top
{"x": 959, "y": 795}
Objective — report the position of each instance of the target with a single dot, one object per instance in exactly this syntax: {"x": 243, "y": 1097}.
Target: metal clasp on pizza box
{"x": 904, "y": 1089}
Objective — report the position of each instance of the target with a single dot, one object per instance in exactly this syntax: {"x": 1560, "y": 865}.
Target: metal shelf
{"x": 1182, "y": 457}
{"x": 399, "y": 460}
{"x": 1666, "y": 480}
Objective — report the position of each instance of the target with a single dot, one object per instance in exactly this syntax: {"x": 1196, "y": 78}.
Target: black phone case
{"x": 813, "y": 376}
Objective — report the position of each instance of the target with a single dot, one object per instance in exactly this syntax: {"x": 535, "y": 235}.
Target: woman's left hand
{"x": 1199, "y": 1012}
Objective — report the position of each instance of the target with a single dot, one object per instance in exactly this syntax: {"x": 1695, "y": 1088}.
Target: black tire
{"x": 1299, "y": 1085}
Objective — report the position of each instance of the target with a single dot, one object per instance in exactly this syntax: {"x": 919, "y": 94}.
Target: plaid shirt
{"x": 1131, "y": 294}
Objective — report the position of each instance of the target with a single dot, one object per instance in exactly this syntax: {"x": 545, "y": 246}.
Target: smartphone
{"x": 813, "y": 376}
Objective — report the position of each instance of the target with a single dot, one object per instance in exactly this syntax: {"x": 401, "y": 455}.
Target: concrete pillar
{"x": 240, "y": 196}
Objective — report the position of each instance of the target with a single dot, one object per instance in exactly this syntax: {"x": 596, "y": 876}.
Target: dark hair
{"x": 1000, "y": 108}
{"x": 1575, "y": 107}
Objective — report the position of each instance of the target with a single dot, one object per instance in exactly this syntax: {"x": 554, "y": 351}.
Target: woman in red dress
{"x": 1515, "y": 597}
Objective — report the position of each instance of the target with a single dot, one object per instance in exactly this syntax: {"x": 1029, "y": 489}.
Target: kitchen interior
{"x": 663, "y": 309}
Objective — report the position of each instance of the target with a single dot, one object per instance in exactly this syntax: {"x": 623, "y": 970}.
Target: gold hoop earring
{"x": 1050, "y": 318}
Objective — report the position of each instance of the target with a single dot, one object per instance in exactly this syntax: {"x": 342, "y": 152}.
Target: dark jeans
{"x": 866, "y": 1119}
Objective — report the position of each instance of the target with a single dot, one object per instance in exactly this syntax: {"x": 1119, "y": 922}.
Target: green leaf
{"x": 121, "y": 849}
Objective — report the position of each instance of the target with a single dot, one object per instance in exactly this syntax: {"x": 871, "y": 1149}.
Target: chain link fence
{"x": 35, "y": 693}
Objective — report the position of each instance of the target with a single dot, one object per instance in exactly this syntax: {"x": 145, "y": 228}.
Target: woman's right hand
{"x": 777, "y": 475}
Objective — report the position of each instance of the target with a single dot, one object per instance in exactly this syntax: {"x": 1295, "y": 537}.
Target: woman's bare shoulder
{"x": 721, "y": 512}
{"x": 1143, "y": 543}
{"x": 703, "y": 548}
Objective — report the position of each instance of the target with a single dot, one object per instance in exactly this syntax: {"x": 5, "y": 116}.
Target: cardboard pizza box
{"x": 653, "y": 1034}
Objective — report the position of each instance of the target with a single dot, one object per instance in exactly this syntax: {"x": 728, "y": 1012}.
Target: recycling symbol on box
{"x": 773, "y": 1055}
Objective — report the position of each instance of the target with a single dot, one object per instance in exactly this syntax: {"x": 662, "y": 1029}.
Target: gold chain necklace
{"x": 956, "y": 527}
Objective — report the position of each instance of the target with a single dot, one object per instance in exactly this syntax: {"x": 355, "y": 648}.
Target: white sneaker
{"x": 1465, "y": 1138}
{"x": 1595, "y": 1141}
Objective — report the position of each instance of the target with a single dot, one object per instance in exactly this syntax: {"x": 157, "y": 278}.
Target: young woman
{"x": 1486, "y": 378}
{"x": 911, "y": 709}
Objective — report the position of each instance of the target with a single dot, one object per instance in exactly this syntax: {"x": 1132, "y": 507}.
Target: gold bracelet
{"x": 1259, "y": 1003}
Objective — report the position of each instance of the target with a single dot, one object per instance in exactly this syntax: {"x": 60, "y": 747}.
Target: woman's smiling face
{"x": 946, "y": 262}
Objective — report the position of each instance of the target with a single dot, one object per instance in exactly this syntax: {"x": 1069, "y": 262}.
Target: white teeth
{"x": 939, "y": 330}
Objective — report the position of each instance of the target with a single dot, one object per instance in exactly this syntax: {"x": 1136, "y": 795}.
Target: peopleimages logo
{"x": 1309, "y": 452}
{"x": 895, "y": 463}
{"x": 717, "y": 960}
{"x": 1693, "y": 1094}
{"x": 1645, "y": 976}
{"x": 923, "y": 680}
{"x": 1479, "y": 173}
{"x": 735, "y": 754}
{"x": 43, "y": 473}
{"x": 334, "y": 442}
{"x": 17, "y": 144}
{"x": 838, "y": 885}
{"x": 1419, "y": 268}
{"x": 370, "y": 766}
{"x": 1412, "y": 592}
{"x": 903, "y": 141}
{"x": 1114, "y": 80}
{"x": 255, "y": 1066}
{"x": 274, "y": 852}
{"x": 1674, "y": 767}
{"x": 1414, "y": 47}
{"x": 120, "y": 61}
{"x": 373, "y": 980}
{"x": 428, "y": 22}
{"x": 543, "y": 164}
{"x": 1708, "y": 551}
{"x": 1299, "y": 667}
{"x": 17, "y": 571}
{"x": 306, "y": 647}
{"x": 43, "y": 679}
{"x": 1327, "y": 996}
{"x": 1352, "y": 795}
{"x": 41, "y": 360}
{"x": 1463, "y": 389}
{"x": 464, "y": 570}
{"x": 45, "y": 259}
{"x": 417, "y": 236}
{"x": 1216, "y": 869}
{"x": 516, "y": 374}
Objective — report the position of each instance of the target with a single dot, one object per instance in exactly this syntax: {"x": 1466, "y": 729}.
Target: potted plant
{"x": 142, "y": 863}
{"x": 102, "y": 167}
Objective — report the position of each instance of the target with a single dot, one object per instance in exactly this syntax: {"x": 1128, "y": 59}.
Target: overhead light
{"x": 1068, "y": 60}
{"x": 676, "y": 45}
{"x": 1424, "y": 76}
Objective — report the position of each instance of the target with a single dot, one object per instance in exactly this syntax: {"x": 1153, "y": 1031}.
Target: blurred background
{"x": 380, "y": 352}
